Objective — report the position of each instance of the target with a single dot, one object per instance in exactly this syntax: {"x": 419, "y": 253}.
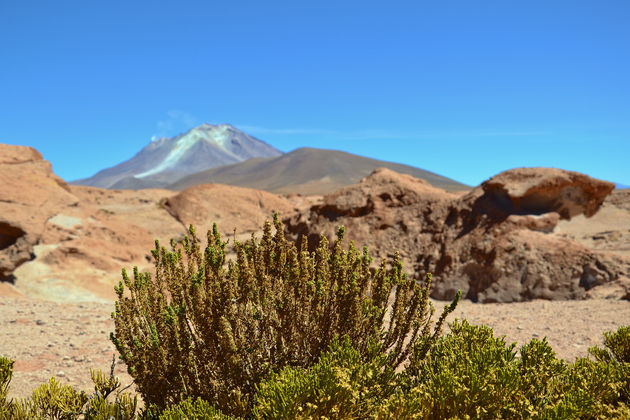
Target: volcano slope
{"x": 501, "y": 242}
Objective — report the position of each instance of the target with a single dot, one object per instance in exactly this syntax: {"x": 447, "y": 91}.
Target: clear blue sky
{"x": 462, "y": 88}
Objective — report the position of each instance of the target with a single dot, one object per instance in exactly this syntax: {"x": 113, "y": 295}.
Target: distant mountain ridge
{"x": 167, "y": 159}
{"x": 222, "y": 154}
{"x": 307, "y": 171}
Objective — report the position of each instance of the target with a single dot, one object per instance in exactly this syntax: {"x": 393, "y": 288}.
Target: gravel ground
{"x": 66, "y": 340}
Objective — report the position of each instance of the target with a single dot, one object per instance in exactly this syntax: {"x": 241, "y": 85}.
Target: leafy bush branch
{"x": 53, "y": 400}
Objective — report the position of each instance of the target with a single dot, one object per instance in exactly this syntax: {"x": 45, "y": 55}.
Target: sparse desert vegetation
{"x": 284, "y": 333}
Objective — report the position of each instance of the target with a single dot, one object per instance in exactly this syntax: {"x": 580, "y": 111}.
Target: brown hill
{"x": 307, "y": 171}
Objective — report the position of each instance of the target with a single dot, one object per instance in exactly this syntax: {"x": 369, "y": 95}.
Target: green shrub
{"x": 539, "y": 370}
{"x": 197, "y": 409}
{"x": 617, "y": 345}
{"x": 599, "y": 388}
{"x": 489, "y": 381}
{"x": 341, "y": 385}
{"x": 6, "y": 372}
{"x": 123, "y": 406}
{"x": 204, "y": 329}
{"x": 591, "y": 390}
{"x": 56, "y": 401}
{"x": 469, "y": 373}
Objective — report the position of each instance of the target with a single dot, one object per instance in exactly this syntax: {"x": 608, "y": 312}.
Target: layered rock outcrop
{"x": 68, "y": 243}
{"x": 495, "y": 243}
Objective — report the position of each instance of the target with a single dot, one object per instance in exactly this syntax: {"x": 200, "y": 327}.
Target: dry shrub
{"x": 204, "y": 328}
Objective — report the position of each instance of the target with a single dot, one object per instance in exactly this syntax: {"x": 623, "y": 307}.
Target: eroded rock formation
{"x": 69, "y": 243}
{"x": 30, "y": 194}
{"x": 523, "y": 234}
{"x": 495, "y": 243}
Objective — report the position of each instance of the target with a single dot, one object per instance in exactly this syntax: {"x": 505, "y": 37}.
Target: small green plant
{"x": 123, "y": 406}
{"x": 6, "y": 372}
{"x": 469, "y": 373}
{"x": 53, "y": 400}
{"x": 56, "y": 401}
{"x": 343, "y": 384}
{"x": 617, "y": 345}
{"x": 193, "y": 409}
{"x": 600, "y": 388}
{"x": 591, "y": 390}
{"x": 201, "y": 328}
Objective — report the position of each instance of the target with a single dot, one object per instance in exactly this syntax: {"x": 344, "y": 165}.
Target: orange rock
{"x": 29, "y": 195}
{"x": 231, "y": 207}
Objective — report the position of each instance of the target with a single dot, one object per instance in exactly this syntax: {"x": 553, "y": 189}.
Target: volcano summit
{"x": 166, "y": 160}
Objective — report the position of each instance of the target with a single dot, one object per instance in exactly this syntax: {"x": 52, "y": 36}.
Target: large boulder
{"x": 496, "y": 243}
{"x": 539, "y": 191}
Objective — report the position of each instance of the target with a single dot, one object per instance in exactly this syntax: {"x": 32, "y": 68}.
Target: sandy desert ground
{"x": 67, "y": 339}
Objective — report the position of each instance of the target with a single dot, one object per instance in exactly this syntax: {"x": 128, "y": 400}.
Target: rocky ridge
{"x": 31, "y": 194}
{"x": 529, "y": 233}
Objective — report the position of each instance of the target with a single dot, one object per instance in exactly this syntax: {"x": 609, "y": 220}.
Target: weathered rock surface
{"x": 620, "y": 198}
{"x": 523, "y": 234}
{"x": 606, "y": 232}
{"x": 29, "y": 195}
{"x": 69, "y": 243}
{"x": 495, "y": 243}
{"x": 230, "y": 207}
{"x": 540, "y": 191}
